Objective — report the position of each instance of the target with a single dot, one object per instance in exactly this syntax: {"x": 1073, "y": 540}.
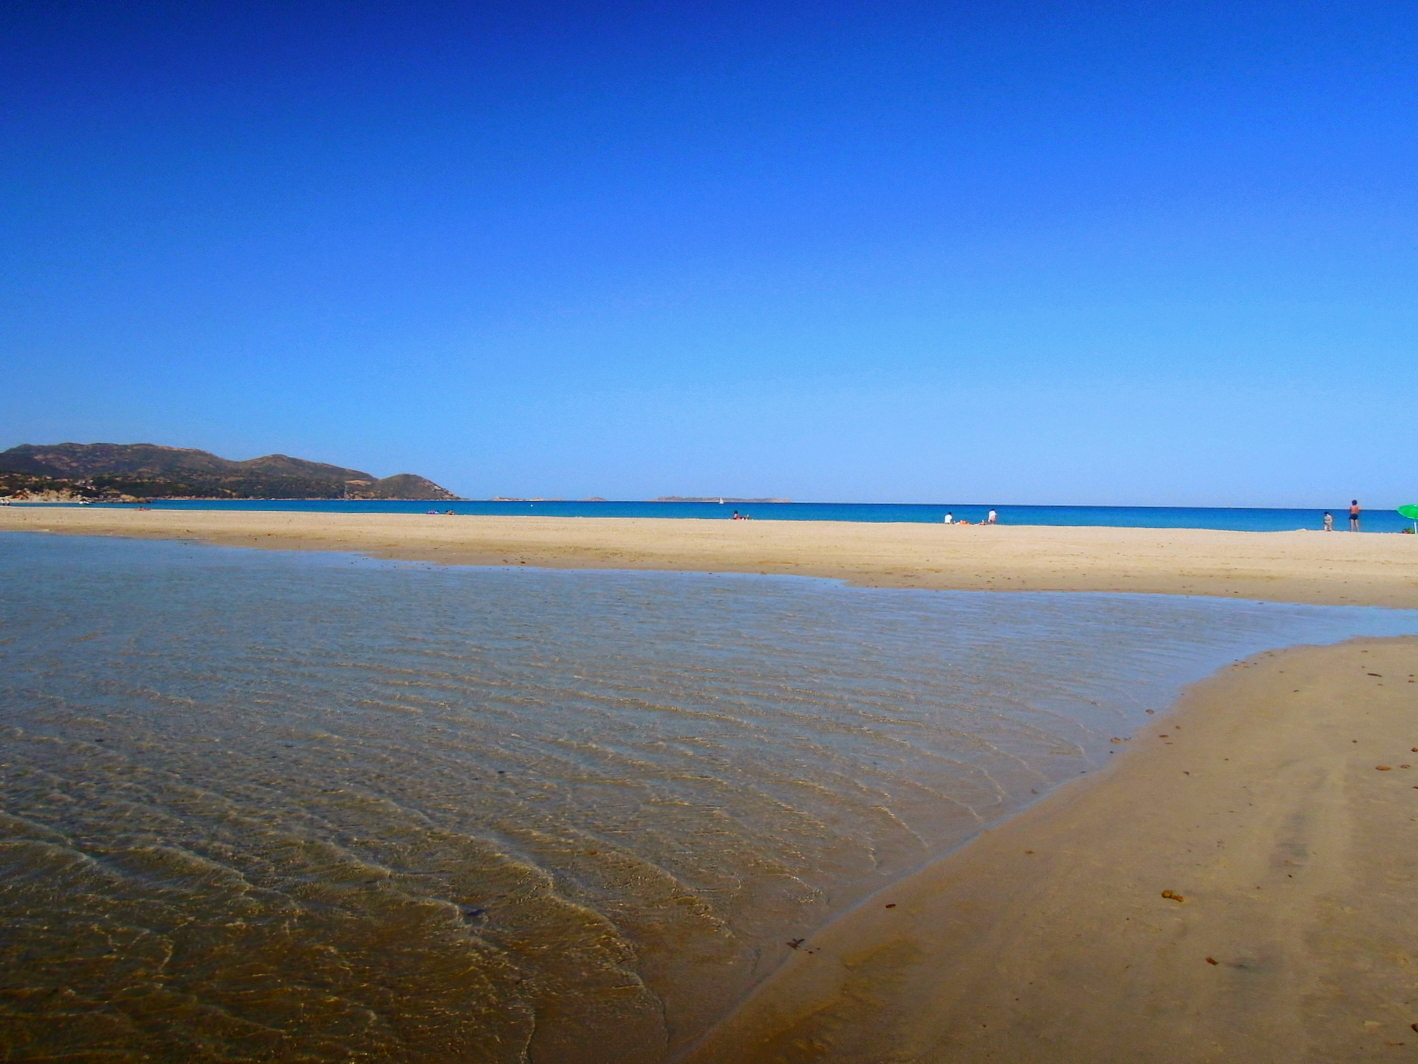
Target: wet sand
{"x": 1313, "y": 567}
{"x": 1278, "y": 805}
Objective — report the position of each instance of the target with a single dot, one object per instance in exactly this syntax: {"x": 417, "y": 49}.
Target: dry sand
{"x": 1261, "y": 801}
{"x": 1316, "y": 567}
{"x": 1049, "y": 941}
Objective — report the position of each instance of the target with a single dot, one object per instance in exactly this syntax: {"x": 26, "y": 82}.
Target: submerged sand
{"x": 1279, "y": 801}
{"x": 1315, "y": 567}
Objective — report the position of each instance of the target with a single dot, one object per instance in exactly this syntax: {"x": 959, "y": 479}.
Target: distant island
{"x": 711, "y": 498}
{"x": 130, "y": 472}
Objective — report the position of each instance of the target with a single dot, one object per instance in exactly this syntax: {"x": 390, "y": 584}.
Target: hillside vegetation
{"x": 151, "y": 471}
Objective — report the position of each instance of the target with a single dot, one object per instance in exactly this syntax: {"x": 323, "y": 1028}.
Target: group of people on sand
{"x": 1353, "y": 517}
{"x": 991, "y": 518}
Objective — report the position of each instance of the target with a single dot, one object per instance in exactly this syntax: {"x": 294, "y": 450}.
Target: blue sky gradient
{"x": 1152, "y": 253}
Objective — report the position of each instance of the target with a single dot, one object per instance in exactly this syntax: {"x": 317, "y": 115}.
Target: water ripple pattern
{"x": 304, "y": 807}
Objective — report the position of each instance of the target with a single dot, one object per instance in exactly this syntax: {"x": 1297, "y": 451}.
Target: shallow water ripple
{"x": 306, "y": 807}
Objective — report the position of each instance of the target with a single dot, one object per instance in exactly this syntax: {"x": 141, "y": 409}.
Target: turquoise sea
{"x": 295, "y": 806}
{"x": 1238, "y": 518}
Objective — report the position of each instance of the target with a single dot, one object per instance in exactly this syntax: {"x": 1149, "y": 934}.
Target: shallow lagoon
{"x": 262, "y": 805}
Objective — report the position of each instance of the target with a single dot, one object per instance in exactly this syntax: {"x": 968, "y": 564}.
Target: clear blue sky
{"x": 998, "y": 252}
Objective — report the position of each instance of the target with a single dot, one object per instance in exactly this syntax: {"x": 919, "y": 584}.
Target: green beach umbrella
{"x": 1410, "y": 512}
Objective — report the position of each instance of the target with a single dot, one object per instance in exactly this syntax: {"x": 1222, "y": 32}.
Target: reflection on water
{"x": 262, "y": 806}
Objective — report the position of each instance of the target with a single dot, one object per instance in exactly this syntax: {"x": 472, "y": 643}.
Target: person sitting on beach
{"x": 949, "y": 518}
{"x": 1328, "y": 521}
{"x": 991, "y": 518}
{"x": 736, "y": 517}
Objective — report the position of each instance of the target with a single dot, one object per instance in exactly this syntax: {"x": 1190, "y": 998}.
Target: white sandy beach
{"x": 1323, "y": 568}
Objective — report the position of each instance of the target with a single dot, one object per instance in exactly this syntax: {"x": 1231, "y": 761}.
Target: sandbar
{"x": 1339, "y": 568}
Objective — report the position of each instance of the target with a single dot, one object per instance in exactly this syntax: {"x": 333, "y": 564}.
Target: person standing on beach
{"x": 1354, "y": 515}
{"x": 1328, "y": 521}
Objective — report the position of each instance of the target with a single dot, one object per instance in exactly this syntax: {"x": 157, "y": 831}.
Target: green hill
{"x": 148, "y": 470}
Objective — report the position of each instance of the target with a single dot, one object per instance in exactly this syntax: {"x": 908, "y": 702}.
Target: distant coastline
{"x": 141, "y": 472}
{"x": 711, "y": 498}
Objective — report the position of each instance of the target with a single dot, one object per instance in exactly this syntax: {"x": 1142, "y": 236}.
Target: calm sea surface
{"x": 1235, "y": 518}
{"x": 258, "y": 806}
